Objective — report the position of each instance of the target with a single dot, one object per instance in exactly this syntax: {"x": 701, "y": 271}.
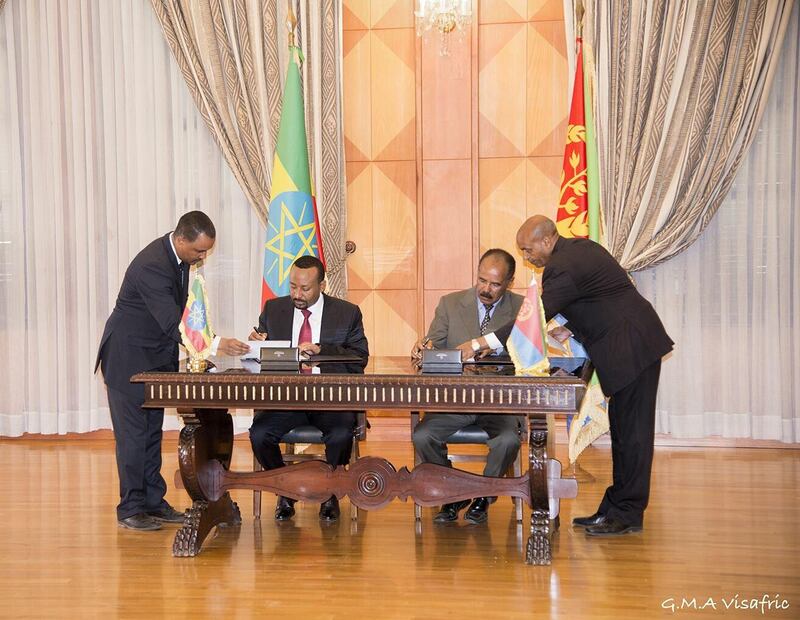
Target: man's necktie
{"x": 486, "y": 317}
{"x": 305, "y": 328}
{"x": 305, "y": 336}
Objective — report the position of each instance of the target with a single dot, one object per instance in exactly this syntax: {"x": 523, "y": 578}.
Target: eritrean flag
{"x": 579, "y": 216}
{"x": 195, "y": 326}
{"x": 293, "y": 223}
{"x": 572, "y": 217}
{"x": 527, "y": 345}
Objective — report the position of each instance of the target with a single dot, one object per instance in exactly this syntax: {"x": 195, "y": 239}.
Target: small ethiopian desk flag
{"x": 195, "y": 326}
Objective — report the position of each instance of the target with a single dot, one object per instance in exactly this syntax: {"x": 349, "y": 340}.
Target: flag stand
{"x": 196, "y": 364}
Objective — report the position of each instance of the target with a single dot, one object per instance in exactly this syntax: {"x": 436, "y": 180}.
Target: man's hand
{"x": 560, "y": 333}
{"x": 416, "y": 352}
{"x": 309, "y": 348}
{"x": 231, "y": 346}
{"x": 254, "y": 335}
{"x": 466, "y": 351}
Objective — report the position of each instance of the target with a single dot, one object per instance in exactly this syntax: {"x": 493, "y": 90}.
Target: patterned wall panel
{"x": 502, "y": 92}
{"x": 357, "y": 95}
{"x": 502, "y": 201}
{"x": 502, "y": 11}
{"x": 447, "y": 227}
{"x": 393, "y": 94}
{"x": 546, "y": 125}
{"x": 394, "y": 209}
{"x": 360, "y": 271}
{"x": 518, "y": 83}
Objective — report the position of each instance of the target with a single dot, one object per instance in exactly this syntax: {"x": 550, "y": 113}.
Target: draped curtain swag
{"x": 233, "y": 54}
{"x": 681, "y": 86}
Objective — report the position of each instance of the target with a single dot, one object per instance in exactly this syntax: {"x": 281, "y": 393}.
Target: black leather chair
{"x": 473, "y": 434}
{"x": 312, "y": 435}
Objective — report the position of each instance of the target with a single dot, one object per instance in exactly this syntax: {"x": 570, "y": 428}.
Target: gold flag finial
{"x": 579, "y": 11}
{"x": 291, "y": 22}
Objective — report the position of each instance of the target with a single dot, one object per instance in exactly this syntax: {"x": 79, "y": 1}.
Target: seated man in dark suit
{"x": 318, "y": 325}
{"x": 460, "y": 317}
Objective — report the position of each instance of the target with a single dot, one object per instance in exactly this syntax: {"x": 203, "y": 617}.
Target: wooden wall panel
{"x": 394, "y": 211}
{"x": 419, "y": 126}
{"x": 447, "y": 226}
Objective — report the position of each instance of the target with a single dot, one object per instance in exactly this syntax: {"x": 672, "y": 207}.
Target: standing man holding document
{"x": 317, "y": 325}
{"x": 142, "y": 335}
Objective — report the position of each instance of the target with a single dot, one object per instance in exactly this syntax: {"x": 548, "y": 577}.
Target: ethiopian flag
{"x": 195, "y": 327}
{"x": 293, "y": 223}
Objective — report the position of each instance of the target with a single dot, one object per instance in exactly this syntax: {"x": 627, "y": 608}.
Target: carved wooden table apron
{"x": 206, "y": 442}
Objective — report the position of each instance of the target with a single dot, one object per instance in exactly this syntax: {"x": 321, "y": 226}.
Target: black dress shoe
{"x": 167, "y": 515}
{"x": 329, "y": 509}
{"x": 595, "y": 519}
{"x": 479, "y": 510}
{"x": 612, "y": 527}
{"x": 140, "y": 522}
{"x": 449, "y": 512}
{"x": 284, "y": 509}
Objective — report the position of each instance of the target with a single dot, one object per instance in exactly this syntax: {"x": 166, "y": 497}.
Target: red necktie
{"x": 305, "y": 328}
{"x": 305, "y": 336}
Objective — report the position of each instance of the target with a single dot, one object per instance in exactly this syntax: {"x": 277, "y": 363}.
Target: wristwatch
{"x": 476, "y": 346}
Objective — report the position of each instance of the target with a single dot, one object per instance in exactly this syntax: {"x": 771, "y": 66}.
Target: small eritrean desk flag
{"x": 293, "y": 223}
{"x": 195, "y": 326}
{"x": 527, "y": 345}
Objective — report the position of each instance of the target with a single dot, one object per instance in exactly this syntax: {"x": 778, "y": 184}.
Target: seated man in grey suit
{"x": 460, "y": 317}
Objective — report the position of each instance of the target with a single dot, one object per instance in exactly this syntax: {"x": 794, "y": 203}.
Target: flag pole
{"x": 575, "y": 470}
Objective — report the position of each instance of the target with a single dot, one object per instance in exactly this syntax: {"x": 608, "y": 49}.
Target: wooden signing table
{"x": 206, "y": 441}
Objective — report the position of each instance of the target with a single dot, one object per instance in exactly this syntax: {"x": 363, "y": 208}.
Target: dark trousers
{"x": 137, "y": 432}
{"x": 430, "y": 437}
{"x": 632, "y": 417}
{"x": 270, "y": 426}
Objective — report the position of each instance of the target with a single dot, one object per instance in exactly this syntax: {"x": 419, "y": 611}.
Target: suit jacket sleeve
{"x": 355, "y": 343}
{"x": 440, "y": 326}
{"x": 157, "y": 291}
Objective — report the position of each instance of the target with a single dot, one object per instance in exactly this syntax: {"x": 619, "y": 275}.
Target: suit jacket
{"x": 456, "y": 318}
{"x": 618, "y": 327}
{"x": 341, "y": 331}
{"x": 142, "y": 332}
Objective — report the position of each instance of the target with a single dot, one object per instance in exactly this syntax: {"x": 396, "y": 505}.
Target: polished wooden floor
{"x": 722, "y": 523}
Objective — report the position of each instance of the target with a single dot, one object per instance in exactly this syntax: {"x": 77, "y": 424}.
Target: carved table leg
{"x": 207, "y": 436}
{"x": 538, "y": 548}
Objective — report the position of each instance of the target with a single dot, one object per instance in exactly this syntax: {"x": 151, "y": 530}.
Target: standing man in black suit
{"x": 625, "y": 340}
{"x": 460, "y": 316}
{"x": 141, "y": 335}
{"x": 318, "y": 325}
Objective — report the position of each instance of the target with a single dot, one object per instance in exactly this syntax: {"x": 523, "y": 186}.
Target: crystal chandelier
{"x": 444, "y": 17}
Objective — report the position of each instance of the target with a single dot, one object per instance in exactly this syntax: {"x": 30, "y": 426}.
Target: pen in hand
{"x": 256, "y": 334}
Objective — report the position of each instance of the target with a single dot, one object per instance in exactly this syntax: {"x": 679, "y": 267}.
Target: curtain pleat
{"x": 681, "y": 88}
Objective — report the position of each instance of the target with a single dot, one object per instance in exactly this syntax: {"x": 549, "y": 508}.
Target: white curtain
{"x": 101, "y": 150}
{"x": 731, "y": 301}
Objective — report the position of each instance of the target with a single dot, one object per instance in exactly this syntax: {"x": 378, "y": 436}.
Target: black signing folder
{"x": 280, "y": 358}
{"x": 441, "y": 361}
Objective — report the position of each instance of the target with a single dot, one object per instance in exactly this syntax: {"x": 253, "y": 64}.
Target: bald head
{"x": 536, "y": 238}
